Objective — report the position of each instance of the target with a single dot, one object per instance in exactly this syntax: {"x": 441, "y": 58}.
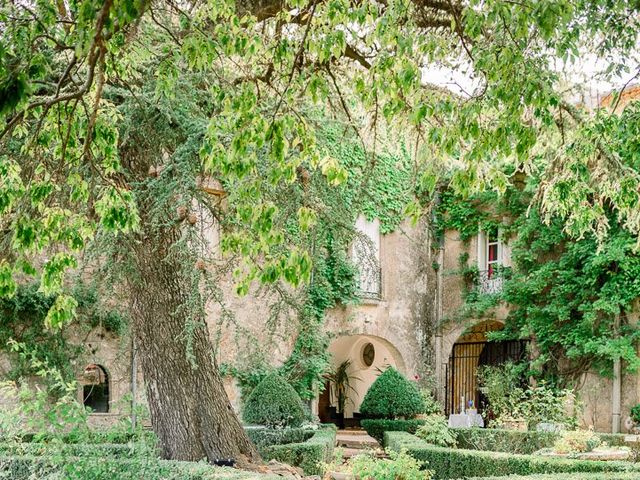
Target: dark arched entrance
{"x": 470, "y": 351}
{"x": 95, "y": 388}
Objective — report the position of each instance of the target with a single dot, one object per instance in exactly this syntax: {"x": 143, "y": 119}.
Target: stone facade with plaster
{"x": 411, "y": 324}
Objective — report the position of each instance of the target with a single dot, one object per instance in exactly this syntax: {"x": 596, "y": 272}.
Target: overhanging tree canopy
{"x": 223, "y": 89}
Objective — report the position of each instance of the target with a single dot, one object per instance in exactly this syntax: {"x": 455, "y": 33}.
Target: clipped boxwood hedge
{"x": 498, "y": 440}
{"x": 104, "y": 450}
{"x": 376, "y": 427}
{"x": 565, "y": 476}
{"x": 309, "y": 455}
{"x": 91, "y": 437}
{"x": 274, "y": 403}
{"x": 453, "y": 463}
{"x": 515, "y": 441}
{"x": 392, "y": 396}
{"x": 265, "y": 437}
{"x": 27, "y": 467}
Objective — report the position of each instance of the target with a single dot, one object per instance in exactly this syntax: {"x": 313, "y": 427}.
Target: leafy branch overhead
{"x": 259, "y": 69}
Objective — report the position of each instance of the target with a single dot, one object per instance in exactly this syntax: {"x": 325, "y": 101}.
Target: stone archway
{"x": 471, "y": 350}
{"x": 94, "y": 384}
{"x": 368, "y": 356}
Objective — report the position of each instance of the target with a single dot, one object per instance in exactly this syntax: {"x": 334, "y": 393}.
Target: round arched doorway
{"x": 361, "y": 358}
{"x": 470, "y": 351}
{"x": 95, "y": 388}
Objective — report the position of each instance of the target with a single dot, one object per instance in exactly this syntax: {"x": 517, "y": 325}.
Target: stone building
{"x": 407, "y": 318}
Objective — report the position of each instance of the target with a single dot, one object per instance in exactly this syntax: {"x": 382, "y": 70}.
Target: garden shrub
{"x": 310, "y": 455}
{"x": 436, "y": 431}
{"x": 274, "y": 403}
{"x": 504, "y": 387}
{"x": 399, "y": 465}
{"x": 451, "y": 463}
{"x": 392, "y": 396}
{"x": 565, "y": 476}
{"x": 635, "y": 414}
{"x": 104, "y": 450}
{"x": 431, "y": 405}
{"x": 265, "y": 437}
{"x": 614, "y": 439}
{"x": 96, "y": 468}
{"x": 377, "y": 427}
{"x": 499, "y": 440}
{"x": 516, "y": 441}
{"x": 577, "y": 441}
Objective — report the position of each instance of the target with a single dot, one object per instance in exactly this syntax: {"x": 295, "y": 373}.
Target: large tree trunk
{"x": 190, "y": 410}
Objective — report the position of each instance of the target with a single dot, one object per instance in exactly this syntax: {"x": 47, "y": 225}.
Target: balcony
{"x": 490, "y": 282}
{"x": 370, "y": 283}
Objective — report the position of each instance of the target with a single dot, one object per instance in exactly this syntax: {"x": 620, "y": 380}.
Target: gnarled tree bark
{"x": 190, "y": 410}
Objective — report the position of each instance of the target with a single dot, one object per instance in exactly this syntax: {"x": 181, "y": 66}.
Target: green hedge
{"x": 265, "y": 437}
{"x": 565, "y": 476}
{"x": 377, "y": 427}
{"x": 308, "y": 455}
{"x": 91, "y": 437}
{"x": 96, "y": 468}
{"x": 450, "y": 463}
{"x": 77, "y": 450}
{"x": 613, "y": 439}
{"x": 515, "y": 441}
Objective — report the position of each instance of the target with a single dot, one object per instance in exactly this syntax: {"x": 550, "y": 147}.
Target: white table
{"x": 466, "y": 420}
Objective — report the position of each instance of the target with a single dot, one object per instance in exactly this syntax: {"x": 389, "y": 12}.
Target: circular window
{"x": 368, "y": 354}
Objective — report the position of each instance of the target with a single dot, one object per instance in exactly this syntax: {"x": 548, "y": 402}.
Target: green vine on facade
{"x": 564, "y": 293}
{"x": 22, "y": 320}
{"x": 378, "y": 186}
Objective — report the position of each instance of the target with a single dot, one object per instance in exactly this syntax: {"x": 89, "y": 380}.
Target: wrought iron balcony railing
{"x": 490, "y": 282}
{"x": 370, "y": 283}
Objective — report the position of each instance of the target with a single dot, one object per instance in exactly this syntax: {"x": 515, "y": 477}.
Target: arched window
{"x": 366, "y": 256}
{"x": 95, "y": 391}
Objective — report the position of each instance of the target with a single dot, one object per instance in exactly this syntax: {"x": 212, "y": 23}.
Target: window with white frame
{"x": 366, "y": 256}
{"x": 490, "y": 259}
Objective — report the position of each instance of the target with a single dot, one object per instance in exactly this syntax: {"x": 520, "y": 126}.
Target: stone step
{"x": 362, "y": 441}
{"x": 352, "y": 431}
{"x": 347, "y": 453}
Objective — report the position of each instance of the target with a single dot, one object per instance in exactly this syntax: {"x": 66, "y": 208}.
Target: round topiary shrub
{"x": 392, "y": 396}
{"x": 274, "y": 403}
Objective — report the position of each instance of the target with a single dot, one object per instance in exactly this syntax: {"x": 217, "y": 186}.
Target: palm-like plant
{"x": 340, "y": 381}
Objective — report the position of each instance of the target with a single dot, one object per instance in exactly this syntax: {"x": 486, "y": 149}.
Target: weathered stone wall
{"x": 413, "y": 326}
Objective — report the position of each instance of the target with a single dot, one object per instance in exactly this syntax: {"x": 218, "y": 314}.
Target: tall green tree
{"x": 113, "y": 109}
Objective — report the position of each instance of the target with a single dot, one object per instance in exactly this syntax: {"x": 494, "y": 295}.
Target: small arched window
{"x": 95, "y": 391}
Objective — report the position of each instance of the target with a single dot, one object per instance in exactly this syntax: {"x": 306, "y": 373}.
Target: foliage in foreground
{"x": 96, "y": 468}
{"x": 392, "y": 396}
{"x": 511, "y": 398}
{"x": 576, "y": 441}
{"x": 436, "y": 431}
{"x": 399, "y": 466}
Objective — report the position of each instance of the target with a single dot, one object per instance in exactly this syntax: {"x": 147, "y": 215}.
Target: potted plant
{"x": 340, "y": 385}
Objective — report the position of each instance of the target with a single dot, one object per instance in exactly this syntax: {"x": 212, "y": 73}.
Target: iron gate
{"x": 462, "y": 368}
